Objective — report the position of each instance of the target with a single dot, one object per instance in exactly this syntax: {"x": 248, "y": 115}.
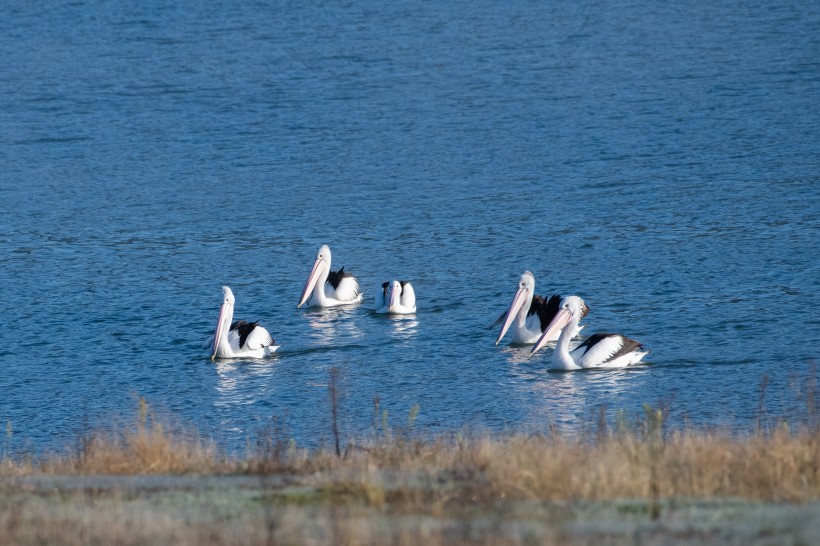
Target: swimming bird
{"x": 529, "y": 314}
{"x": 598, "y": 351}
{"x": 327, "y": 288}
{"x": 396, "y": 297}
{"x": 239, "y": 339}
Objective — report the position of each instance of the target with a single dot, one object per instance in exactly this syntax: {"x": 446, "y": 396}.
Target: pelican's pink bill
{"x": 518, "y": 300}
{"x": 561, "y": 319}
{"x": 218, "y": 331}
{"x": 393, "y": 296}
{"x": 311, "y": 282}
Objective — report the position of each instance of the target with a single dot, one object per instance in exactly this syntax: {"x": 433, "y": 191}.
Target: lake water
{"x": 661, "y": 161}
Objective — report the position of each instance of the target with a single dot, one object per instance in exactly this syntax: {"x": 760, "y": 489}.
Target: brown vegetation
{"x": 458, "y": 490}
{"x": 403, "y": 488}
{"x": 640, "y": 462}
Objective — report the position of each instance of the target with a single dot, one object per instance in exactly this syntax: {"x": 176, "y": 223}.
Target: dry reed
{"x": 149, "y": 446}
{"x": 638, "y": 462}
{"x": 398, "y": 475}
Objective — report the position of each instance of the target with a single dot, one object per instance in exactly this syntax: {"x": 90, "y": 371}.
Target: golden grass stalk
{"x": 147, "y": 447}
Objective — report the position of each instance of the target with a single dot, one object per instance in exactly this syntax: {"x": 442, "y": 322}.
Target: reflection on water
{"x": 331, "y": 325}
{"x": 403, "y": 326}
{"x": 516, "y": 353}
{"x": 243, "y": 381}
{"x": 228, "y": 380}
{"x": 569, "y": 401}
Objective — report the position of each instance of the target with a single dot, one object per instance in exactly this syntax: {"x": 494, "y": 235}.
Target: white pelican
{"x": 327, "y": 288}
{"x": 598, "y": 351}
{"x": 530, "y": 314}
{"x": 239, "y": 339}
{"x": 396, "y": 297}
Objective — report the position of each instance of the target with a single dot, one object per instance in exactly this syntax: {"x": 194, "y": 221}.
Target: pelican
{"x": 396, "y": 297}
{"x": 327, "y": 288}
{"x": 530, "y": 314}
{"x": 598, "y": 351}
{"x": 239, "y": 339}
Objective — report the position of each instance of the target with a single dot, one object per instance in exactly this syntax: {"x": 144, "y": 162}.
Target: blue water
{"x": 661, "y": 161}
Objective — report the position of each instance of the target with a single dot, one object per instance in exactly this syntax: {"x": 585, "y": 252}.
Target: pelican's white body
{"x": 398, "y": 298}
{"x": 318, "y": 292}
{"x": 226, "y": 341}
{"x": 599, "y": 351}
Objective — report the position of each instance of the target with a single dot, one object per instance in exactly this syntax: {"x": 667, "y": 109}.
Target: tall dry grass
{"x": 780, "y": 466}
{"x": 387, "y": 491}
{"x": 642, "y": 459}
{"x": 397, "y": 486}
{"x": 151, "y": 445}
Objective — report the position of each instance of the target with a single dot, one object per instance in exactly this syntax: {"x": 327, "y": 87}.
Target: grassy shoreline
{"x": 152, "y": 483}
{"x": 203, "y": 511}
{"x": 641, "y": 459}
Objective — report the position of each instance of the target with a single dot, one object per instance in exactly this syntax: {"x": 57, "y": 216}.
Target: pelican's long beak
{"x": 518, "y": 300}
{"x": 558, "y": 322}
{"x": 311, "y": 281}
{"x": 218, "y": 331}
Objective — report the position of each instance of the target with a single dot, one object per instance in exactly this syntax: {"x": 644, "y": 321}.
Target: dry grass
{"x": 781, "y": 467}
{"x": 399, "y": 488}
{"x": 150, "y": 446}
{"x": 446, "y": 491}
{"x": 634, "y": 463}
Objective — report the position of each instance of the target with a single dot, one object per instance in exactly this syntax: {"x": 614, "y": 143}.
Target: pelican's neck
{"x": 319, "y": 297}
{"x": 521, "y": 318}
{"x": 561, "y": 357}
{"x": 521, "y": 333}
{"x": 225, "y": 327}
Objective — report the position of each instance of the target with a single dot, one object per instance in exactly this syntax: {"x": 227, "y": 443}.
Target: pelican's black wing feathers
{"x": 546, "y": 309}
{"x": 244, "y": 328}
{"x": 628, "y": 344}
{"x": 335, "y": 277}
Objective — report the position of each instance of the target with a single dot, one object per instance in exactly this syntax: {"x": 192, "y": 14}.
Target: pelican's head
{"x": 521, "y": 300}
{"x": 227, "y": 296}
{"x": 572, "y": 310}
{"x": 324, "y": 253}
{"x": 527, "y": 281}
{"x": 321, "y": 267}
{"x": 575, "y": 306}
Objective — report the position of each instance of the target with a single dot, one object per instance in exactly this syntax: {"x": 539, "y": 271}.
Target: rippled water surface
{"x": 663, "y": 162}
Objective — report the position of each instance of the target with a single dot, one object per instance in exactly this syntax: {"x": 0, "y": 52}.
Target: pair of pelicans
{"x": 534, "y": 319}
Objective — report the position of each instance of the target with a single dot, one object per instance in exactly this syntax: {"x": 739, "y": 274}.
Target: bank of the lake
{"x": 205, "y": 511}
{"x": 634, "y": 483}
